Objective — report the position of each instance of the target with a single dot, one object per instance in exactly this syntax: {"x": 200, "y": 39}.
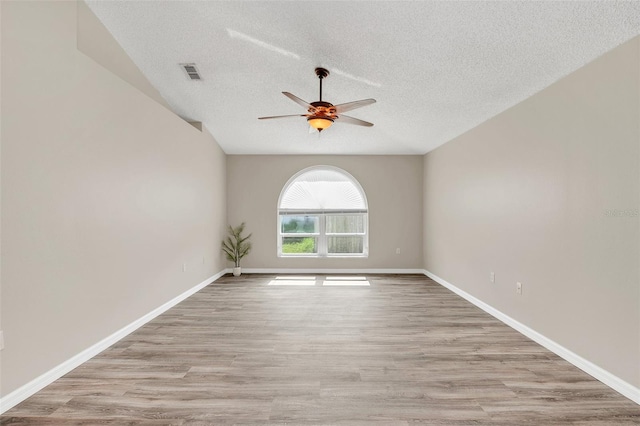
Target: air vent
{"x": 192, "y": 71}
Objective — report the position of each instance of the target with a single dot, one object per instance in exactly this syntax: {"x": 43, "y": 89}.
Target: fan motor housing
{"x": 321, "y": 108}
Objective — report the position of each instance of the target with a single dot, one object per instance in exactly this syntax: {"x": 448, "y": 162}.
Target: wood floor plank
{"x": 403, "y": 351}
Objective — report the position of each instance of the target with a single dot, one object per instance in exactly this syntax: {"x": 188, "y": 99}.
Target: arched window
{"x": 322, "y": 212}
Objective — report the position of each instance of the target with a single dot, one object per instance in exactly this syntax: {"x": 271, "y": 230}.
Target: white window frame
{"x": 322, "y": 246}
{"x": 315, "y": 235}
{"x": 322, "y": 236}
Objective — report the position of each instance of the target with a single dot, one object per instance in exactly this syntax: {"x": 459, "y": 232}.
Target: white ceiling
{"x": 437, "y": 69}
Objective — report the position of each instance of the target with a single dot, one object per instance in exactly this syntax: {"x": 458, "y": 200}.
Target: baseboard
{"x": 329, "y": 271}
{"x": 17, "y": 396}
{"x": 614, "y": 382}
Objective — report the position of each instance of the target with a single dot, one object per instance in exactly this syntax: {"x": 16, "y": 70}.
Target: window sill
{"x": 329, "y": 256}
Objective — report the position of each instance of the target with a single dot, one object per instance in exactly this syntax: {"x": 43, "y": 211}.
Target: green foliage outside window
{"x": 299, "y": 224}
{"x": 299, "y": 245}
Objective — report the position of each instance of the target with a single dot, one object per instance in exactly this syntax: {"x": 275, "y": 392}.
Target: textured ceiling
{"x": 437, "y": 69}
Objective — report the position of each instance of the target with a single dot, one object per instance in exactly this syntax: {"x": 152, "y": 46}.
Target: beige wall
{"x": 0, "y": 196}
{"x": 105, "y": 194}
{"x": 526, "y": 195}
{"x": 94, "y": 40}
{"x": 393, "y": 185}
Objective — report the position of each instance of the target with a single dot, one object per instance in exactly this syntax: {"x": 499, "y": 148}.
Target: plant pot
{"x": 237, "y": 271}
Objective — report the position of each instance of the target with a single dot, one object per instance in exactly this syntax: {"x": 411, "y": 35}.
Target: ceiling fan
{"x": 321, "y": 115}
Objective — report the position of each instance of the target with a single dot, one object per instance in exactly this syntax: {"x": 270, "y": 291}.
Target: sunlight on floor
{"x": 354, "y": 278}
{"x": 304, "y": 280}
{"x": 350, "y": 283}
{"x": 294, "y": 280}
{"x": 297, "y": 277}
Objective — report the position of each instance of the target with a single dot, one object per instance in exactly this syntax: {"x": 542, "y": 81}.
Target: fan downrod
{"x": 321, "y": 73}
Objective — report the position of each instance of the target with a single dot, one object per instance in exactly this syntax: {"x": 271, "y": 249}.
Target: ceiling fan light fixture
{"x": 320, "y": 123}
{"x": 320, "y": 114}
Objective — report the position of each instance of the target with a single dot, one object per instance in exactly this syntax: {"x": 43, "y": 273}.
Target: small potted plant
{"x": 236, "y": 246}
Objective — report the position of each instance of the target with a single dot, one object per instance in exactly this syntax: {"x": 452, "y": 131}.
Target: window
{"x": 322, "y": 212}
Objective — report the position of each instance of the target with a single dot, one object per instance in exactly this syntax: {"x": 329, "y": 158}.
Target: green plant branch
{"x": 236, "y": 246}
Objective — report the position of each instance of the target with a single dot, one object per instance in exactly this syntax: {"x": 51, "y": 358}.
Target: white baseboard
{"x": 25, "y": 391}
{"x": 329, "y": 271}
{"x": 614, "y": 382}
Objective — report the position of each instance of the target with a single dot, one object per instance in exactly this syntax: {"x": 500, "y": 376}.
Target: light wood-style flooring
{"x": 403, "y": 351}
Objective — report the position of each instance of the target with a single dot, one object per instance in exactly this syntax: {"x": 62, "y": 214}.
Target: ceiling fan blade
{"x": 297, "y": 100}
{"x": 353, "y": 105}
{"x": 351, "y": 120}
{"x": 282, "y": 116}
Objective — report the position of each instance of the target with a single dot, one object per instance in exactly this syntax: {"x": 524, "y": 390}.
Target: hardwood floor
{"x": 402, "y": 351}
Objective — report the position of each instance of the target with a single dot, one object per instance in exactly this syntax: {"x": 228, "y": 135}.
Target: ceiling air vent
{"x": 192, "y": 71}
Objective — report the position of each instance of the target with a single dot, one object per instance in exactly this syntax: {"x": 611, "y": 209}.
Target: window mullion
{"x": 322, "y": 240}
{"x": 280, "y": 240}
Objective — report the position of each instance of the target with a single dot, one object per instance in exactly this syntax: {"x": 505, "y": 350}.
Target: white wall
{"x": 393, "y": 185}
{"x": 105, "y": 194}
{"x": 528, "y": 196}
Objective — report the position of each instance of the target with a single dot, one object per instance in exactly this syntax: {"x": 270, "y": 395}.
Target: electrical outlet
{"x": 1, "y": 340}
{"x": 519, "y": 288}
{"x": 184, "y": 267}
{"x": 398, "y": 250}
{"x": 203, "y": 260}
{"x": 492, "y": 277}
